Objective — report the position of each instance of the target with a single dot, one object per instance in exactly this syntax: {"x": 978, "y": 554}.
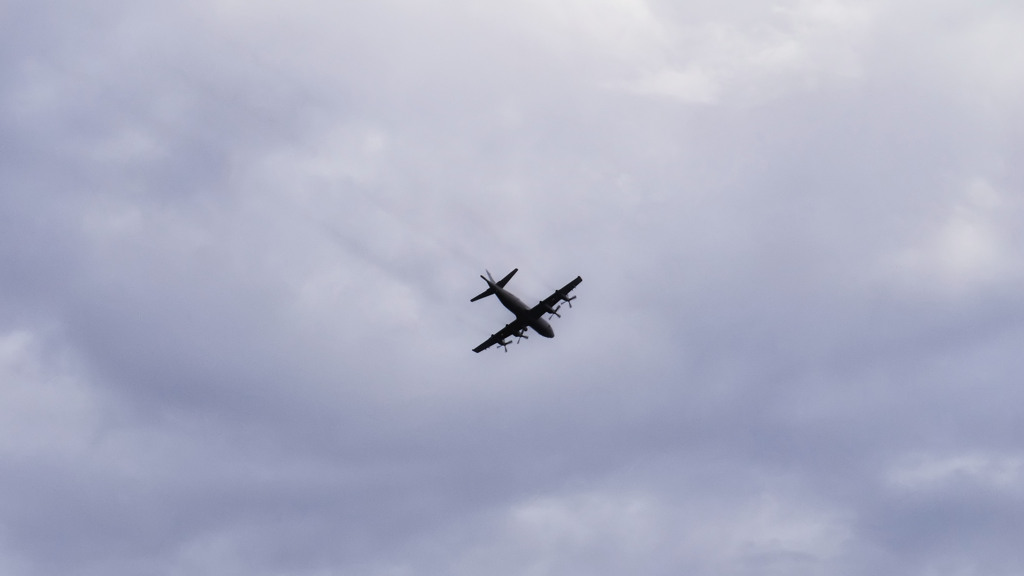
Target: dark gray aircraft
{"x": 526, "y": 317}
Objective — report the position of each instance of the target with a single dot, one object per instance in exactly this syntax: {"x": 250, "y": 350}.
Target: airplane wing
{"x": 562, "y": 295}
{"x": 500, "y": 336}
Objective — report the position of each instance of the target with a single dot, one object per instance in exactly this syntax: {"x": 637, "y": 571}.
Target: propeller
{"x": 520, "y": 335}
{"x": 554, "y": 311}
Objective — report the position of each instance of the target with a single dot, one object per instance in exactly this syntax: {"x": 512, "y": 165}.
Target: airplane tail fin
{"x": 500, "y": 283}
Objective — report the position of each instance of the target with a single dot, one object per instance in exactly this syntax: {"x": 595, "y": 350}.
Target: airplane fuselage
{"x": 522, "y": 311}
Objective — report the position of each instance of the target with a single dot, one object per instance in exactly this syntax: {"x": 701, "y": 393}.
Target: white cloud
{"x": 968, "y": 248}
{"x": 653, "y": 531}
{"x": 46, "y": 410}
{"x": 1003, "y": 472}
{"x": 692, "y": 85}
{"x": 711, "y": 57}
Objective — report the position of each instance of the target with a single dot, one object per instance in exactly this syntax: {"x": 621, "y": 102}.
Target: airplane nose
{"x": 545, "y": 330}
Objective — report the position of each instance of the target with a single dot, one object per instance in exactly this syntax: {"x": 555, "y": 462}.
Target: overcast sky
{"x": 238, "y": 242}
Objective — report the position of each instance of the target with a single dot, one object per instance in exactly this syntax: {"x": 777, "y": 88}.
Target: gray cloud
{"x": 237, "y": 245}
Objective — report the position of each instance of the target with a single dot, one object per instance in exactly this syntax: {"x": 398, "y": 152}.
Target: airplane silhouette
{"x": 526, "y": 317}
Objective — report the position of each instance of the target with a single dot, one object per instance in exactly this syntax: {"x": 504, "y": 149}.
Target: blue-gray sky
{"x": 238, "y": 242}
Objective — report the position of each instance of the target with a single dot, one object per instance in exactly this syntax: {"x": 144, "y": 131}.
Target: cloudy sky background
{"x": 238, "y": 242}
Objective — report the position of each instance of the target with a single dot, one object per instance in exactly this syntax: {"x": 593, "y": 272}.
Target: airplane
{"x": 526, "y": 317}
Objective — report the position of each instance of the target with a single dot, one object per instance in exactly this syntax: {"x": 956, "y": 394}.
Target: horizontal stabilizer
{"x": 483, "y": 294}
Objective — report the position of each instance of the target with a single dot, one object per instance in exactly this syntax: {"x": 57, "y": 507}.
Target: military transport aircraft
{"x": 526, "y": 317}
